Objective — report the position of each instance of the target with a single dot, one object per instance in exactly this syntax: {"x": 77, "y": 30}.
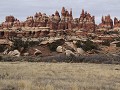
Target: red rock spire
{"x": 63, "y": 12}
{"x": 103, "y": 21}
{"x": 71, "y": 16}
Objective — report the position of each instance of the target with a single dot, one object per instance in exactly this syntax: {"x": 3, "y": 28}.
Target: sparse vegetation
{"x": 106, "y": 43}
{"x": 2, "y": 48}
{"x": 58, "y": 76}
{"x": 86, "y": 45}
{"x": 23, "y": 45}
{"x": 54, "y": 45}
{"x": 95, "y": 58}
{"x": 118, "y": 44}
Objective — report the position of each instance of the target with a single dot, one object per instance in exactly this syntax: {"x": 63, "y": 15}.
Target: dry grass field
{"x": 58, "y": 76}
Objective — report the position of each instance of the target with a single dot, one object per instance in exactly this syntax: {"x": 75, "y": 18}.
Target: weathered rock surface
{"x": 69, "y": 53}
{"x": 37, "y": 52}
{"x": 116, "y": 23}
{"x": 80, "y": 51}
{"x": 14, "y": 53}
{"x": 71, "y": 45}
{"x": 59, "y": 49}
{"x": 86, "y": 22}
{"x": 58, "y": 24}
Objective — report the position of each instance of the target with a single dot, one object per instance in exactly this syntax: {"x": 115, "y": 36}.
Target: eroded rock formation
{"x": 116, "y": 23}
{"x": 106, "y": 22}
{"x": 10, "y": 21}
{"x": 55, "y": 21}
{"x": 86, "y": 22}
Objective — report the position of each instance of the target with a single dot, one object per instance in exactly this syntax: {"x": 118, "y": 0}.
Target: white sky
{"x": 23, "y": 8}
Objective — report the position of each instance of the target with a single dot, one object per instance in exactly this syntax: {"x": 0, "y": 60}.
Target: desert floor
{"x": 58, "y": 76}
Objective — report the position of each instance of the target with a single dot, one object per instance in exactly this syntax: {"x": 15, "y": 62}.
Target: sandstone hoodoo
{"x": 106, "y": 23}
{"x": 116, "y": 23}
{"x": 57, "y": 24}
{"x": 65, "y": 21}
{"x": 86, "y": 22}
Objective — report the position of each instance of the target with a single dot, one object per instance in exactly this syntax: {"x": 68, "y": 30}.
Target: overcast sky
{"x": 23, "y": 8}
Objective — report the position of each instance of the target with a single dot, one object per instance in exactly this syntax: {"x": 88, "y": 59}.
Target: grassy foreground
{"x": 58, "y": 76}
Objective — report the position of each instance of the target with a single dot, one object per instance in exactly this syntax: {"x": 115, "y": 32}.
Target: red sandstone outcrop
{"x": 9, "y": 19}
{"x": 86, "y": 22}
{"x": 53, "y": 21}
{"x": 106, "y": 22}
{"x": 10, "y": 22}
{"x": 65, "y": 21}
{"x": 116, "y": 23}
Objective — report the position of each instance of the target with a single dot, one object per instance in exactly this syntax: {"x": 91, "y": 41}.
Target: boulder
{"x": 71, "y": 44}
{"x": 69, "y": 53}
{"x": 80, "y": 51}
{"x": 14, "y": 53}
{"x": 26, "y": 54}
{"x": 44, "y": 42}
{"x": 51, "y": 40}
{"x": 59, "y": 49}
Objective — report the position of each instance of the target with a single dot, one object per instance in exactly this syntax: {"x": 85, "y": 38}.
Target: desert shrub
{"x": 33, "y": 43}
{"x": 18, "y": 44}
{"x": 8, "y": 59}
{"x": 0, "y": 58}
{"x": 79, "y": 43}
{"x": 9, "y": 87}
{"x": 54, "y": 45}
{"x": 23, "y": 45}
{"x": 2, "y": 48}
{"x": 118, "y": 44}
{"x": 86, "y": 45}
{"x": 106, "y": 43}
{"x": 117, "y": 39}
{"x": 89, "y": 45}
